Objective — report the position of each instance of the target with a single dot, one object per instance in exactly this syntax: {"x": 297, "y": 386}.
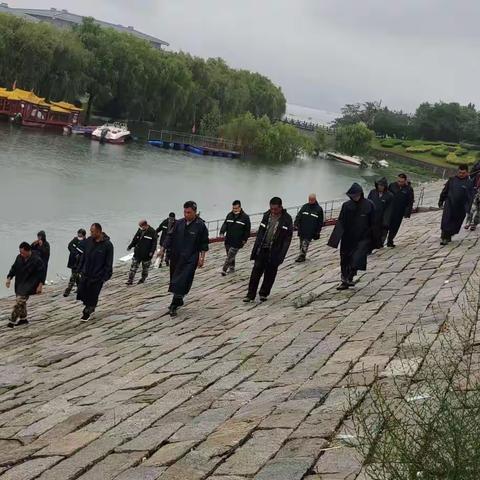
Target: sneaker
{"x": 300, "y": 259}
{"x": 247, "y": 299}
{"x": 172, "y": 310}
{"x": 343, "y": 286}
{"x": 473, "y": 228}
{"x": 10, "y": 324}
{"x": 223, "y": 273}
{"x": 66, "y": 293}
{"x": 129, "y": 282}
{"x": 22, "y": 321}
{"x": 263, "y": 298}
{"x": 85, "y": 316}
{"x": 142, "y": 280}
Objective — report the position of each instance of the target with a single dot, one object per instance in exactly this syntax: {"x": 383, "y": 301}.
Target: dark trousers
{"x": 88, "y": 292}
{"x": 348, "y": 271}
{"x": 393, "y": 230}
{"x": 263, "y": 266}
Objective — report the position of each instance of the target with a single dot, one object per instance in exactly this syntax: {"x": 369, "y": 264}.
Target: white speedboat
{"x": 112, "y": 133}
{"x": 345, "y": 158}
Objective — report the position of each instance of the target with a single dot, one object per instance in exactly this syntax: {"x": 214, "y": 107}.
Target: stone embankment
{"x": 225, "y": 391}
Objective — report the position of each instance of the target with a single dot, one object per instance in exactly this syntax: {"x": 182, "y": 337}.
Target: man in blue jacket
{"x": 271, "y": 246}
{"x": 96, "y": 268}
{"x": 29, "y": 273}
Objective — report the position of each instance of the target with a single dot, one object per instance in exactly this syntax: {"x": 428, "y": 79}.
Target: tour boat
{"x": 117, "y": 133}
{"x": 345, "y": 159}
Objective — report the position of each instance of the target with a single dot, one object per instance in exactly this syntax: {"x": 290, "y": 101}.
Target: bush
{"x": 459, "y": 152}
{"x": 419, "y": 148}
{"x": 408, "y": 143}
{"x": 387, "y": 144}
{"x": 440, "y": 151}
{"x": 454, "y": 159}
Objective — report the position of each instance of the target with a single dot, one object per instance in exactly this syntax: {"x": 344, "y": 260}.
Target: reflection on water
{"x": 59, "y": 184}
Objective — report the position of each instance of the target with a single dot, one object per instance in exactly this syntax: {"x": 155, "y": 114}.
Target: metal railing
{"x": 331, "y": 210}
{"x": 192, "y": 139}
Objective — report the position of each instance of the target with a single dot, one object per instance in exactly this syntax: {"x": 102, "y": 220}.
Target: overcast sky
{"x": 323, "y": 53}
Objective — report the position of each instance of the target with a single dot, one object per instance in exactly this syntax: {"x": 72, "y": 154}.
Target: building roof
{"x": 36, "y": 15}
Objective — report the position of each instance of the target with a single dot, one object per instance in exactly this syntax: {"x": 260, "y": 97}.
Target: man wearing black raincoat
{"x": 144, "y": 244}
{"x": 41, "y": 248}
{"x": 402, "y": 205}
{"x": 353, "y": 231}
{"x": 382, "y": 199}
{"x": 309, "y": 223}
{"x": 188, "y": 244}
{"x": 163, "y": 229}
{"x": 456, "y": 199}
{"x": 76, "y": 247}
{"x": 96, "y": 268}
{"x": 271, "y": 246}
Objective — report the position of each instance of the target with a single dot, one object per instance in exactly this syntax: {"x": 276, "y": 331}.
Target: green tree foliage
{"x": 125, "y": 77}
{"x": 273, "y": 141}
{"x": 353, "y": 139}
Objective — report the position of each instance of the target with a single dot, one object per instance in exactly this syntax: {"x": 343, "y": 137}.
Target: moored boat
{"x": 117, "y": 133}
{"x": 345, "y": 159}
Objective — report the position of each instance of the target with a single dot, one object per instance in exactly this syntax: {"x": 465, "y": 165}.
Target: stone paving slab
{"x": 225, "y": 390}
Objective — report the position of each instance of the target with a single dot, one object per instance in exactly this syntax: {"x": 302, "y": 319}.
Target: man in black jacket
{"x": 96, "y": 268}
{"x": 456, "y": 199}
{"x": 144, "y": 244}
{"x": 353, "y": 231}
{"x": 402, "y": 205}
{"x": 271, "y": 246}
{"x": 76, "y": 247}
{"x": 382, "y": 199}
{"x": 163, "y": 229}
{"x": 309, "y": 223}
{"x": 188, "y": 244}
{"x": 29, "y": 272}
{"x": 236, "y": 230}
{"x": 42, "y": 248}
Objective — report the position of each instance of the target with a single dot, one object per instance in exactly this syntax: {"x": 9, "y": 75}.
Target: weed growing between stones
{"x": 421, "y": 417}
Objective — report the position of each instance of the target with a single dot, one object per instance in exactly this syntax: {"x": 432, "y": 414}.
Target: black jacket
{"x": 187, "y": 241}
{"x": 42, "y": 251}
{"x": 164, "y": 228}
{"x": 309, "y": 221}
{"x": 402, "y": 203}
{"x": 236, "y": 229}
{"x": 97, "y": 261}
{"x": 354, "y": 224}
{"x": 456, "y": 197}
{"x": 28, "y": 274}
{"x": 383, "y": 204}
{"x": 281, "y": 241}
{"x": 76, "y": 247}
{"x": 145, "y": 243}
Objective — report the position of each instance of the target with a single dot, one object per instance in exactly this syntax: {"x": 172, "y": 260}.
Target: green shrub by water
{"x": 419, "y": 148}
{"x": 441, "y": 151}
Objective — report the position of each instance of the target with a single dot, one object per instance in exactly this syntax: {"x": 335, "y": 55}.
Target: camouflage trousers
{"x": 304, "y": 245}
{"x": 230, "y": 260}
{"x": 134, "y": 267}
{"x": 20, "y": 308}
{"x": 73, "y": 281}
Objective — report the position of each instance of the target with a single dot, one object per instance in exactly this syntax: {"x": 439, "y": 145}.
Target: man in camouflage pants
{"x": 29, "y": 272}
{"x": 144, "y": 243}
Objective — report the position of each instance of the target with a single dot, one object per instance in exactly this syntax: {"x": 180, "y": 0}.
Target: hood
{"x": 42, "y": 235}
{"x": 383, "y": 181}
{"x": 354, "y": 189}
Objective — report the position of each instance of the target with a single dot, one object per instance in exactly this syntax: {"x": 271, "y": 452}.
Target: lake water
{"x": 58, "y": 184}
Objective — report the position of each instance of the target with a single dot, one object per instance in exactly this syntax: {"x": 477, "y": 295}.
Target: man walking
{"x": 353, "y": 231}
{"x": 144, "y": 244}
{"x": 456, "y": 198}
{"x": 271, "y": 246}
{"x": 309, "y": 223}
{"x": 76, "y": 247}
{"x": 236, "y": 230}
{"x": 42, "y": 248}
{"x": 382, "y": 199}
{"x": 165, "y": 227}
{"x": 188, "y": 244}
{"x": 473, "y": 216}
{"x": 29, "y": 273}
{"x": 96, "y": 268}
{"x": 402, "y": 205}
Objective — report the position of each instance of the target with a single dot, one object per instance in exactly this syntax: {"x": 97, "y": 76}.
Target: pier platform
{"x": 225, "y": 391}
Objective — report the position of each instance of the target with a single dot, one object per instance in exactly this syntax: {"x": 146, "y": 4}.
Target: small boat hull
{"x": 347, "y": 159}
